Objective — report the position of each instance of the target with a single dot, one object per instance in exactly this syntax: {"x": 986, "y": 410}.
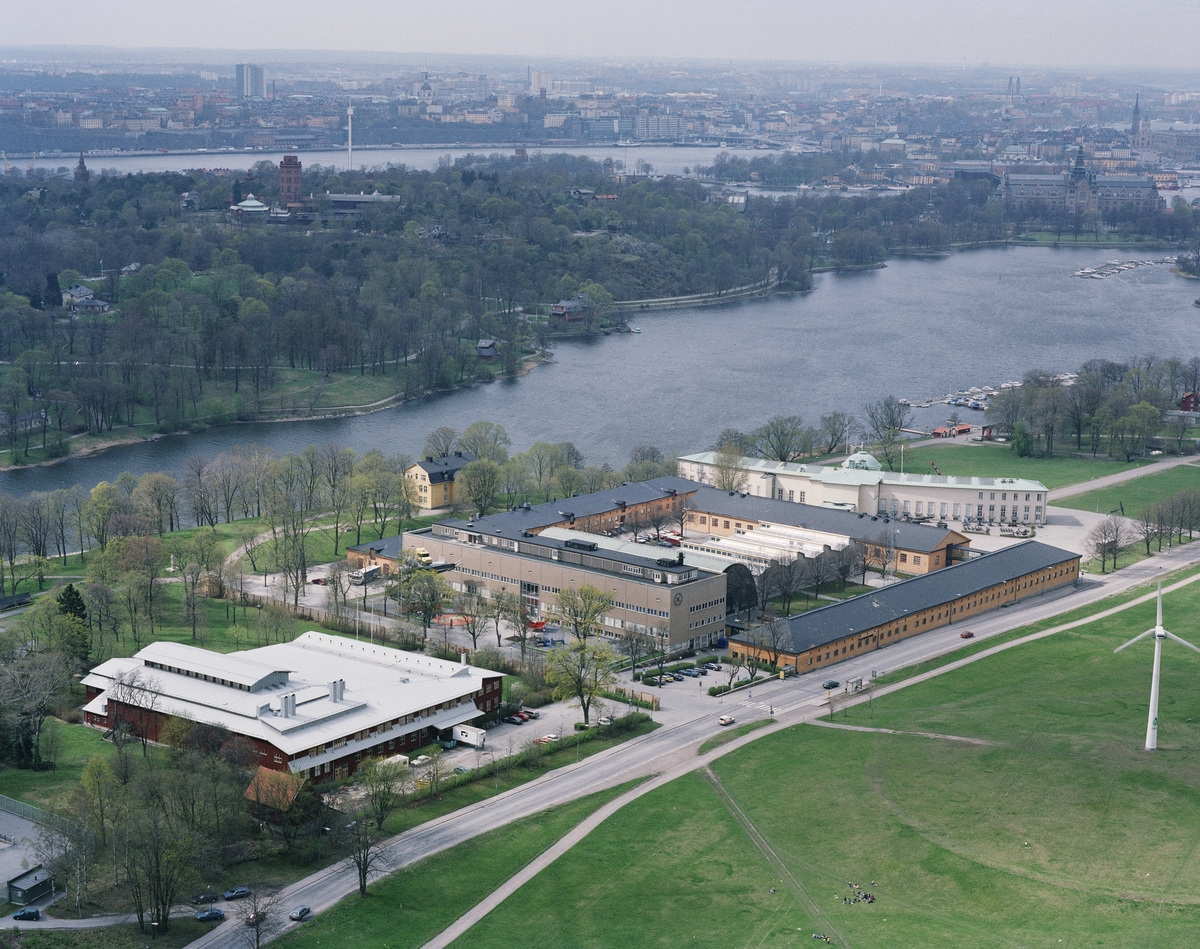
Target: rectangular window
{"x": 957, "y": 511}
{"x": 917, "y": 559}
{"x": 919, "y": 509}
{"x": 1004, "y": 496}
{"x": 727, "y": 525}
{"x": 943, "y": 511}
{"x": 791, "y": 495}
{"x": 801, "y": 497}
{"x": 904, "y": 558}
{"x": 703, "y": 519}
{"x": 906, "y": 503}
{"x": 993, "y": 496}
{"x": 991, "y": 512}
{"x": 1003, "y": 511}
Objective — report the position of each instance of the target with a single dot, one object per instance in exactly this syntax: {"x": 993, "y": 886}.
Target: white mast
{"x": 350, "y": 136}
{"x": 1160, "y": 634}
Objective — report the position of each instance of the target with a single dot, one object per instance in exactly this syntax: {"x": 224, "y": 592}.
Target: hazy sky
{"x": 1158, "y": 33}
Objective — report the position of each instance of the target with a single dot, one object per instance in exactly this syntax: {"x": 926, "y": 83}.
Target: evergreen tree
{"x": 70, "y": 602}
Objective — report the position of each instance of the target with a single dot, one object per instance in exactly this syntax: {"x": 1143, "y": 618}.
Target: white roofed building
{"x": 319, "y": 705}
{"x": 860, "y": 484}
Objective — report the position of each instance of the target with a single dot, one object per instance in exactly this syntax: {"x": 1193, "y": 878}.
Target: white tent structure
{"x": 1159, "y": 635}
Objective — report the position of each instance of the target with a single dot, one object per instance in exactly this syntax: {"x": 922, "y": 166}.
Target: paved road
{"x": 1083, "y": 487}
{"x": 671, "y": 750}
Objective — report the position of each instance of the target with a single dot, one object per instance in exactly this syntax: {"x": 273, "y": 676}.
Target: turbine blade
{"x": 1182, "y": 642}
{"x": 1159, "y": 621}
{"x": 1135, "y": 639}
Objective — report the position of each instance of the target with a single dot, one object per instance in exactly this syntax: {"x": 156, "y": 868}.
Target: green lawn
{"x": 1136, "y": 494}
{"x": 1000, "y": 461}
{"x": 1057, "y": 826}
{"x": 673, "y": 869}
{"x": 411, "y": 907}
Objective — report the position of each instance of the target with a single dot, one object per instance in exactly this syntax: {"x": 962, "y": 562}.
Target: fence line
{"x": 37, "y": 815}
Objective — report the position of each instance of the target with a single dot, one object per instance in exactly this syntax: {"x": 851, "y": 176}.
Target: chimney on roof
{"x": 283, "y": 706}
{"x": 333, "y": 691}
{"x": 429, "y": 457}
{"x": 341, "y": 689}
{"x": 462, "y": 658}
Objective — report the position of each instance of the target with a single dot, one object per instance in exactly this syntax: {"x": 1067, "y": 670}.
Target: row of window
{"x": 199, "y": 675}
{"x": 706, "y": 606}
{"x": 482, "y": 574}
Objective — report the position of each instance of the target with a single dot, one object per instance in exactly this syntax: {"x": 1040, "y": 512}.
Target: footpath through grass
{"x": 1000, "y": 461}
{"x": 1037, "y": 832}
{"x": 1133, "y": 496}
{"x": 412, "y": 906}
{"x": 672, "y": 869}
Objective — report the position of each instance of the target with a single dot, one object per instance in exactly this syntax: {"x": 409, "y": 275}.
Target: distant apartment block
{"x": 249, "y": 81}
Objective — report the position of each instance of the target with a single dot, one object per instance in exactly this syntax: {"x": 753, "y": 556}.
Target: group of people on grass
{"x": 860, "y": 895}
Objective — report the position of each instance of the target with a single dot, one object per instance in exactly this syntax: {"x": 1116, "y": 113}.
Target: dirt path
{"x": 1083, "y": 487}
{"x": 785, "y": 875}
{"x": 892, "y": 731}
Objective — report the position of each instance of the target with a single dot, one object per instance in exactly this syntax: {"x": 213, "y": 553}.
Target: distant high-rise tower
{"x": 1018, "y": 87}
{"x": 289, "y": 180}
{"x": 249, "y": 81}
{"x": 1135, "y": 127}
{"x": 82, "y": 175}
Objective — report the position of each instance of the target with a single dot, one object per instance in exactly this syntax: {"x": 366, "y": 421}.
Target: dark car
{"x": 201, "y": 898}
{"x": 28, "y": 913}
{"x": 237, "y": 893}
{"x": 966, "y": 634}
{"x": 830, "y": 684}
{"x": 512, "y": 720}
{"x": 210, "y": 915}
{"x": 300, "y": 913}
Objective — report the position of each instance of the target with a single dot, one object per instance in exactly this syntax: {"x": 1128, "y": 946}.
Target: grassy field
{"x": 1053, "y": 829}
{"x": 1000, "y": 461}
{"x": 673, "y": 869}
{"x": 1136, "y": 494}
{"x": 410, "y": 907}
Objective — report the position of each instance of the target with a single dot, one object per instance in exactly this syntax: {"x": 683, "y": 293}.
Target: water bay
{"x": 917, "y": 328}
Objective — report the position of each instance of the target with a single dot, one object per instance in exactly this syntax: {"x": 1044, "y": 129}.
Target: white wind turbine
{"x": 1159, "y": 635}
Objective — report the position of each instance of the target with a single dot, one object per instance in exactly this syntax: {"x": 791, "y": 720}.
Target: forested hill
{"x": 214, "y": 310}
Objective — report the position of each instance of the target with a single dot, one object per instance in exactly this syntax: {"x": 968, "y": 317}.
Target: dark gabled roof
{"x": 446, "y": 467}
{"x": 386, "y": 547}
{"x": 838, "y": 621}
{"x": 581, "y": 506}
{"x": 916, "y": 537}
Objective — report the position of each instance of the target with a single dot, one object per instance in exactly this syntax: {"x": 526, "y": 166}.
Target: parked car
{"x": 300, "y": 913}
{"x": 966, "y": 634}
{"x": 830, "y": 684}
{"x": 210, "y": 915}
{"x": 206, "y": 897}
{"x": 523, "y": 716}
{"x": 512, "y": 720}
{"x": 605, "y": 720}
{"x": 530, "y": 713}
{"x": 237, "y": 893}
{"x": 541, "y": 741}
{"x": 461, "y": 770}
{"x": 320, "y": 581}
{"x": 255, "y": 918}
{"x": 29, "y": 913}
{"x": 725, "y": 720}
{"x": 678, "y": 677}
{"x": 552, "y": 737}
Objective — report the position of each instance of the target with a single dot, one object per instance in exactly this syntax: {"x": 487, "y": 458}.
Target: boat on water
{"x": 634, "y": 329}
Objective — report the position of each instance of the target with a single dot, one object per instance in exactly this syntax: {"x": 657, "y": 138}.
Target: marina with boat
{"x": 1114, "y": 267}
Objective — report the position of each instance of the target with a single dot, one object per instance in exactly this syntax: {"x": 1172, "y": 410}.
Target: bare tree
{"x": 886, "y": 420}
{"x": 728, "y": 474}
{"x": 471, "y": 610}
{"x": 1145, "y": 526}
{"x": 835, "y": 429}
{"x": 1107, "y": 541}
{"x": 261, "y": 915}
{"x": 366, "y": 848}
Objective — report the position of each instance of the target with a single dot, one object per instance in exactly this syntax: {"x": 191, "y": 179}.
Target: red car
{"x": 966, "y": 634}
